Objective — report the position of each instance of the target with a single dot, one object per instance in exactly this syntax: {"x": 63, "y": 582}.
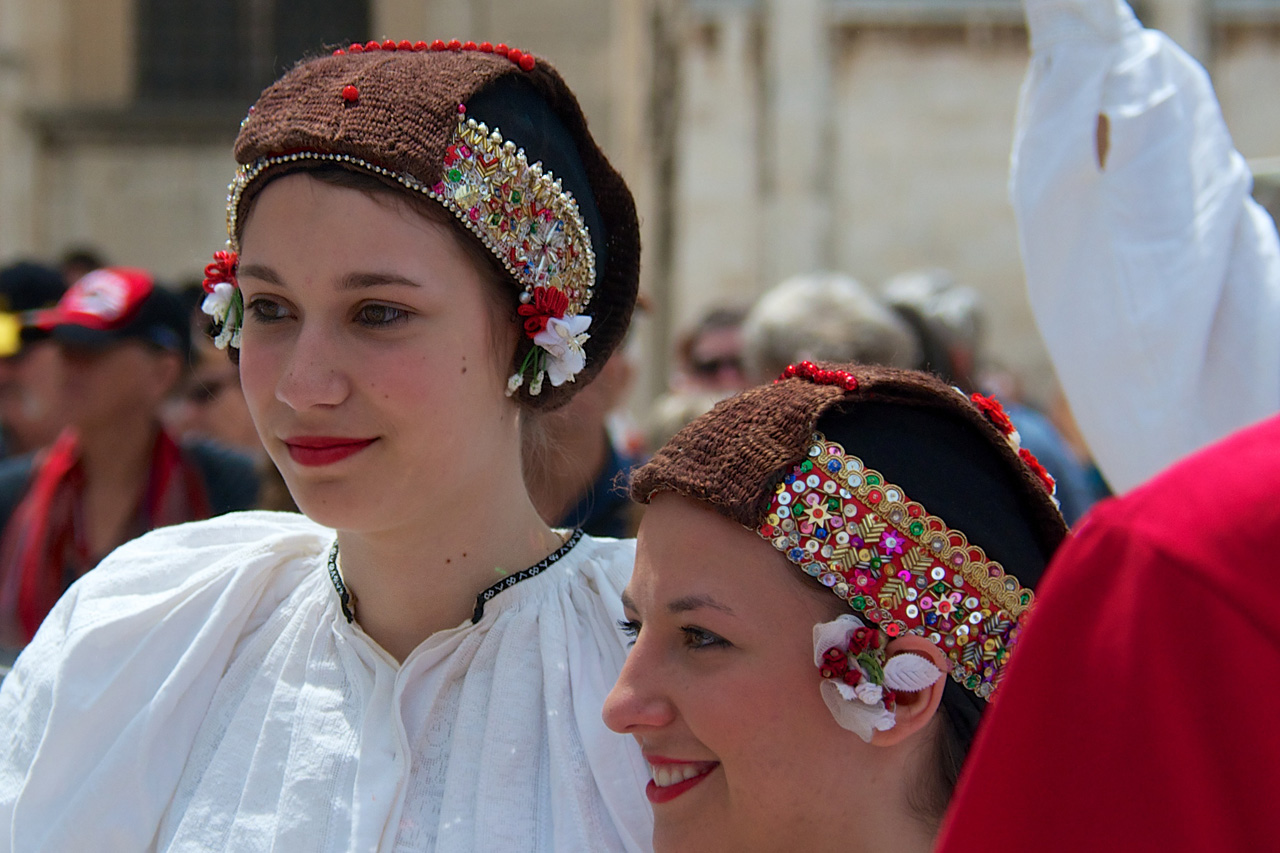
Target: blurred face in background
{"x": 103, "y": 386}
{"x": 212, "y": 404}
{"x": 31, "y": 410}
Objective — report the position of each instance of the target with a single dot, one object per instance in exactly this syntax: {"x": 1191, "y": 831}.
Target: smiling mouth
{"x": 673, "y": 778}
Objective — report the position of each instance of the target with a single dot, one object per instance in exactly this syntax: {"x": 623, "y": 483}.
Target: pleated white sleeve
{"x": 1155, "y": 278}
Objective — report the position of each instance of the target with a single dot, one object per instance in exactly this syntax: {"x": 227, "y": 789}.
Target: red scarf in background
{"x": 44, "y": 547}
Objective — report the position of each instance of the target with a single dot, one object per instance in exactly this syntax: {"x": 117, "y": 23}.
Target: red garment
{"x": 1141, "y": 710}
{"x": 43, "y": 549}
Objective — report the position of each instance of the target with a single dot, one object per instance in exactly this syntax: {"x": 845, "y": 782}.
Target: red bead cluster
{"x": 994, "y": 412}
{"x": 809, "y": 370}
{"x": 1046, "y": 479}
{"x": 836, "y": 661}
{"x": 526, "y": 61}
{"x": 545, "y": 304}
{"x": 999, "y": 418}
{"x": 223, "y": 269}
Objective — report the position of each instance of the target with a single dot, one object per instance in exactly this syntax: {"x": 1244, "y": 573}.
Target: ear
{"x": 914, "y": 711}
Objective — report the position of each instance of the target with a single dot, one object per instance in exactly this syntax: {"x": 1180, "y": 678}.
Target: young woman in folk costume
{"x": 817, "y": 556}
{"x": 431, "y": 249}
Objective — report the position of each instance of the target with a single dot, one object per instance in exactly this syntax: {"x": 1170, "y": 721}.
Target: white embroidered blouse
{"x": 201, "y": 690}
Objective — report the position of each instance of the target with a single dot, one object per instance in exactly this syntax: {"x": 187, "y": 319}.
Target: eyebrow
{"x": 696, "y": 602}
{"x": 261, "y": 273}
{"x": 352, "y": 281}
{"x": 358, "y": 280}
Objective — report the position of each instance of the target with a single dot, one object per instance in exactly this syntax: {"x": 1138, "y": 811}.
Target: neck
{"x": 571, "y": 462}
{"x": 116, "y": 462}
{"x": 412, "y": 581}
{"x": 118, "y": 457}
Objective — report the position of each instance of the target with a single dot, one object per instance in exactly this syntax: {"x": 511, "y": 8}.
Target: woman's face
{"x": 720, "y": 691}
{"x": 367, "y": 355}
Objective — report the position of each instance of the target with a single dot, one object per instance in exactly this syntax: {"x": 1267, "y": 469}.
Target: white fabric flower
{"x": 217, "y": 303}
{"x": 562, "y": 340}
{"x": 868, "y": 693}
{"x": 858, "y": 717}
{"x": 860, "y": 708}
{"x": 228, "y": 335}
{"x": 514, "y": 383}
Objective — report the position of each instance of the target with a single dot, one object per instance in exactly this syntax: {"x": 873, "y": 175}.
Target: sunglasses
{"x": 204, "y": 393}
{"x": 715, "y": 366}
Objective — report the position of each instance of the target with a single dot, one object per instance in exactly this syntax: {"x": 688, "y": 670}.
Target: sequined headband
{"x": 895, "y": 564}
{"x": 517, "y": 209}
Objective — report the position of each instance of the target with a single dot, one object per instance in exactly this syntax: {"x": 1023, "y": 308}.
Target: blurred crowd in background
{"x": 577, "y": 458}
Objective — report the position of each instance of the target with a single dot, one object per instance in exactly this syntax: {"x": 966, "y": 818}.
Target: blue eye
{"x": 631, "y": 628}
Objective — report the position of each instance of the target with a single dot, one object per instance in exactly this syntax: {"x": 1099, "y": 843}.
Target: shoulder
{"x": 1211, "y": 517}
{"x": 610, "y": 559}
{"x": 230, "y": 476}
{"x": 231, "y": 554}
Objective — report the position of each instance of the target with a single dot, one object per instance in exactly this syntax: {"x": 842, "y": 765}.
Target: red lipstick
{"x": 316, "y": 450}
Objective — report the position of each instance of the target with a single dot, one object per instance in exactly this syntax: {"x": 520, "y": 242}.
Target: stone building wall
{"x": 868, "y": 136}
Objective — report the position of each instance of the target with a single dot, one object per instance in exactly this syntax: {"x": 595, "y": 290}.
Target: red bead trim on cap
{"x": 993, "y": 412}
{"x": 350, "y": 94}
{"x": 999, "y": 418}
{"x": 1046, "y": 479}
{"x": 808, "y": 370}
{"x": 526, "y": 61}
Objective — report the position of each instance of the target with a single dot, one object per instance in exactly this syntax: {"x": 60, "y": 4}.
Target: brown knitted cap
{"x": 733, "y": 457}
{"x": 397, "y": 110}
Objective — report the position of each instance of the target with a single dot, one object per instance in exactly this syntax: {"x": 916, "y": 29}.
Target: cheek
{"x": 259, "y": 372}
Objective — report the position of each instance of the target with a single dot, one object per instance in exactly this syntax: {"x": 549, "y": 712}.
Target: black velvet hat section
{"x": 515, "y": 108}
{"x": 957, "y": 474}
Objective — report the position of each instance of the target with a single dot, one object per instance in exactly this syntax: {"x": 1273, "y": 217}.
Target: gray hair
{"x": 952, "y": 310}
{"x": 824, "y": 317}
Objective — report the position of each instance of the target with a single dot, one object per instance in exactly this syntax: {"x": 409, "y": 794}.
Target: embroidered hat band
{"x": 896, "y": 564}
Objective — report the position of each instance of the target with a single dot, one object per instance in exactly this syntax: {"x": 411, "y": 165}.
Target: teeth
{"x": 666, "y": 775}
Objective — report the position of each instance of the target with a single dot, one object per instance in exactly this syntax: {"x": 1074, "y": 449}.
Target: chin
{"x": 670, "y": 836}
{"x": 336, "y": 505}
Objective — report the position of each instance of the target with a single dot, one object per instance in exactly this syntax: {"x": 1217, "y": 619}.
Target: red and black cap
{"x": 110, "y": 305}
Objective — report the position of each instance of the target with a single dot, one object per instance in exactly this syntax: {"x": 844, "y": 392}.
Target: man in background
{"x": 30, "y": 411}
{"x": 114, "y": 473}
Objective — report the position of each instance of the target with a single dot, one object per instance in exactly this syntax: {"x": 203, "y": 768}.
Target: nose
{"x": 313, "y": 374}
{"x": 639, "y": 700}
